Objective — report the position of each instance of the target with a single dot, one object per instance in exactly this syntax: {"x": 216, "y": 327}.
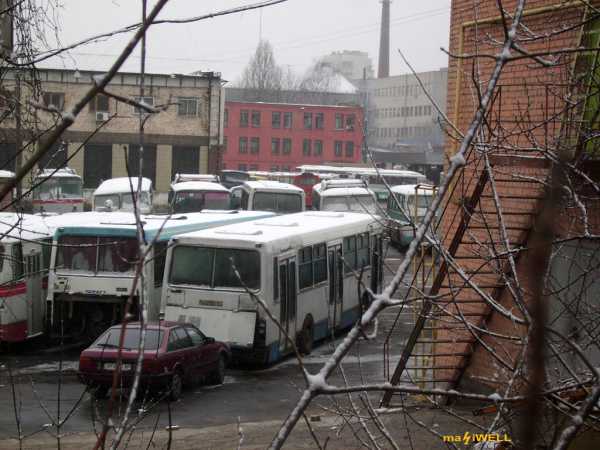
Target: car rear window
{"x": 110, "y": 339}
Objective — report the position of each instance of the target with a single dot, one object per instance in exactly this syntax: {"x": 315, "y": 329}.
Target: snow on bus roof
{"x": 6, "y": 174}
{"x": 64, "y": 172}
{"x": 345, "y": 192}
{"x": 409, "y": 189}
{"x": 274, "y": 186}
{"x": 284, "y": 230}
{"x": 122, "y": 185}
{"x": 14, "y": 227}
{"x": 123, "y": 223}
{"x": 183, "y": 177}
{"x": 198, "y": 186}
{"x": 371, "y": 171}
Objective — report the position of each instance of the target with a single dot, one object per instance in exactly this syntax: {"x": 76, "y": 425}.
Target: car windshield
{"x": 192, "y": 201}
{"x": 58, "y": 188}
{"x": 212, "y": 267}
{"x": 96, "y": 254}
{"x": 131, "y": 341}
{"x": 277, "y": 202}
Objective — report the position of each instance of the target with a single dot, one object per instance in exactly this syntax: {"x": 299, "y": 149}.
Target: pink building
{"x": 282, "y": 136}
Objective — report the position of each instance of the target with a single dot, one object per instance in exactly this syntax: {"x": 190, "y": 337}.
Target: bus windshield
{"x": 96, "y": 254}
{"x": 355, "y": 203}
{"x": 217, "y": 267}
{"x": 277, "y": 202}
{"x": 58, "y": 188}
{"x": 191, "y": 201}
{"x": 423, "y": 201}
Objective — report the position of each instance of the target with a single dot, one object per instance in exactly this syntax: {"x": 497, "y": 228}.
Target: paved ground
{"x": 206, "y": 416}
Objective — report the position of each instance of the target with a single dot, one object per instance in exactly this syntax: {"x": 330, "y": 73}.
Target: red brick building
{"x": 282, "y": 136}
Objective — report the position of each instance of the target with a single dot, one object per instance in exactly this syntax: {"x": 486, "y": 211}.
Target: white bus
{"x": 57, "y": 191}
{"x": 115, "y": 195}
{"x": 25, "y": 246}
{"x": 301, "y": 265}
{"x": 406, "y": 209}
{"x": 344, "y": 195}
{"x": 372, "y": 175}
{"x": 280, "y": 198}
{"x": 194, "y": 196}
{"x": 92, "y": 266}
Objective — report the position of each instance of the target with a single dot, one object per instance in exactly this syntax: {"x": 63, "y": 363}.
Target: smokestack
{"x": 384, "y": 43}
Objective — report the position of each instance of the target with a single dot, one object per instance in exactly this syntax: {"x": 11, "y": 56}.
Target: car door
{"x": 202, "y": 357}
{"x": 179, "y": 351}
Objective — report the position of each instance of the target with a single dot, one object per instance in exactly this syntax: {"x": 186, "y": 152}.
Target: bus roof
{"x": 122, "y": 185}
{"x": 64, "y": 172}
{"x": 122, "y": 224}
{"x": 346, "y": 192}
{"x": 272, "y": 186}
{"x": 283, "y": 232}
{"x": 15, "y": 227}
{"x": 183, "y": 177}
{"x": 198, "y": 186}
{"x": 367, "y": 171}
{"x": 409, "y": 189}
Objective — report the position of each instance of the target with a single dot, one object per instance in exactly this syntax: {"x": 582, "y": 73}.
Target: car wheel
{"x": 218, "y": 376}
{"x": 176, "y": 386}
{"x": 100, "y": 392}
{"x": 305, "y": 340}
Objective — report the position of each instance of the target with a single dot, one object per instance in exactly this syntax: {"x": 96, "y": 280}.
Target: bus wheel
{"x": 305, "y": 338}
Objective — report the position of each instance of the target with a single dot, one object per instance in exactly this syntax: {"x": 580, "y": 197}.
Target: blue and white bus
{"x": 303, "y": 266}
{"x": 93, "y": 266}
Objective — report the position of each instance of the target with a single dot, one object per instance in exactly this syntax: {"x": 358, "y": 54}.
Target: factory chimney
{"x": 384, "y": 43}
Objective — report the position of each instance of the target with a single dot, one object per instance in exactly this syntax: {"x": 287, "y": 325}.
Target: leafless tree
{"x": 262, "y": 71}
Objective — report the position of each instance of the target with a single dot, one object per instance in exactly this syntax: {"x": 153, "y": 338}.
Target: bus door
{"x": 33, "y": 274}
{"x": 336, "y": 284}
{"x": 287, "y": 293}
{"x": 377, "y": 263}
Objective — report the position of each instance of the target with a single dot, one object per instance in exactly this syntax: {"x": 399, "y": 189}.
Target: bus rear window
{"x": 276, "y": 202}
{"x": 214, "y": 267}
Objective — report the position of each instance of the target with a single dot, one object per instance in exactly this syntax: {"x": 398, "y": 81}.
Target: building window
{"x": 318, "y": 147}
{"x": 54, "y": 100}
{"x": 274, "y": 168}
{"x": 148, "y": 100}
{"x": 185, "y": 160}
{"x": 242, "y": 167}
{"x": 349, "y": 149}
{"x": 350, "y": 121}
{"x": 226, "y": 118}
{"x": 244, "y": 118}
{"x": 224, "y": 144}
{"x": 275, "y": 142}
{"x": 188, "y": 106}
{"x": 306, "y": 147}
{"x": 243, "y": 145}
{"x": 319, "y": 121}
{"x": 255, "y": 119}
{"x": 287, "y": 120}
{"x": 99, "y": 103}
{"x": 276, "y": 120}
{"x": 254, "y": 145}
{"x": 307, "y": 121}
{"x": 339, "y": 121}
{"x": 338, "y": 148}
{"x": 254, "y": 167}
{"x": 287, "y": 146}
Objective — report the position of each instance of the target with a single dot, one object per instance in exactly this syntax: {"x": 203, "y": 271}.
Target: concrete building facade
{"x": 352, "y": 64}
{"x": 184, "y": 136}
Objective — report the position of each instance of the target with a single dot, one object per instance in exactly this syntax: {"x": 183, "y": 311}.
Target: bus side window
{"x": 17, "y": 262}
{"x": 46, "y": 254}
{"x": 315, "y": 201}
{"x": 245, "y": 199}
{"x": 275, "y": 280}
{"x": 349, "y": 253}
{"x": 160, "y": 257}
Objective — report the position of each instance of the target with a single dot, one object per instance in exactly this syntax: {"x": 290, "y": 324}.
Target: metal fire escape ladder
{"x": 468, "y": 209}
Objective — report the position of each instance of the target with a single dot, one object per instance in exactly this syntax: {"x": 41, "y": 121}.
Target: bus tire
{"x": 306, "y": 337}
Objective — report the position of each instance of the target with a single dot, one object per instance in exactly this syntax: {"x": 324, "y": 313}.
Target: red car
{"x": 174, "y": 354}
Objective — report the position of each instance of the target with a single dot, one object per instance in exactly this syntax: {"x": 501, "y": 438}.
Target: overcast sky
{"x": 299, "y": 30}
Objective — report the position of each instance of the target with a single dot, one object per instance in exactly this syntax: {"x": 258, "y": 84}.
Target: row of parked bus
{"x": 70, "y": 275}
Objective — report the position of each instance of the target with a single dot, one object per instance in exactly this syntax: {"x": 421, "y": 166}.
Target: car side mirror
{"x": 209, "y": 340}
